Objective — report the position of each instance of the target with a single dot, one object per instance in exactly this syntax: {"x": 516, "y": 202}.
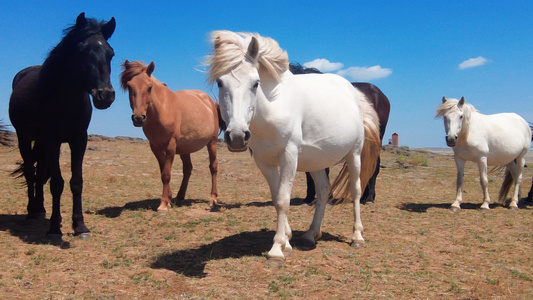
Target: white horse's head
{"x": 237, "y": 95}
{"x": 453, "y": 114}
{"x": 237, "y": 61}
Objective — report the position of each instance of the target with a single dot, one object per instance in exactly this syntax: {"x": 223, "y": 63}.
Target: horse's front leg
{"x": 77, "y": 149}
{"x": 56, "y": 188}
{"x": 213, "y": 168}
{"x": 484, "y": 181}
{"x": 460, "y": 164}
{"x": 280, "y": 187}
{"x": 165, "y": 159}
{"x": 322, "y": 188}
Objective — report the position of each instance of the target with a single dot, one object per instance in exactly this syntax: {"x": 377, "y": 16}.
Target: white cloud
{"x": 324, "y": 65}
{"x": 365, "y": 73}
{"x": 473, "y": 62}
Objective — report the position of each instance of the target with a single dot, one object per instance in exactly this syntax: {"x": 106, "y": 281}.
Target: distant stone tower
{"x": 394, "y": 140}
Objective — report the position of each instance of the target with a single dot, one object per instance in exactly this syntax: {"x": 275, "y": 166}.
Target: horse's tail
{"x": 19, "y": 171}
{"x": 506, "y": 187}
{"x": 39, "y": 160}
{"x": 221, "y": 124}
{"x": 340, "y": 188}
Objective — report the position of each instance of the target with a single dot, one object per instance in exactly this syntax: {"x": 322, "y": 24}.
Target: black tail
{"x": 221, "y": 124}
{"x": 39, "y": 161}
{"x": 19, "y": 171}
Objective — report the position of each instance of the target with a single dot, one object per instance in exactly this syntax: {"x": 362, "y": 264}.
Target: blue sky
{"x": 415, "y": 51}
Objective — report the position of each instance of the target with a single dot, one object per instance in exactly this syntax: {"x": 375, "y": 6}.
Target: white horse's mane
{"x": 230, "y": 50}
{"x": 452, "y": 105}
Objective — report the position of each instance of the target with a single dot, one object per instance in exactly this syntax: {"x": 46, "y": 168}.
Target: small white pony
{"x": 488, "y": 140}
{"x": 293, "y": 123}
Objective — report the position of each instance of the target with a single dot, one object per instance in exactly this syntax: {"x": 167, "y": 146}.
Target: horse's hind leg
{"x": 43, "y": 173}
{"x": 369, "y": 194}
{"x": 353, "y": 163}
{"x": 28, "y": 169}
{"x": 322, "y": 187}
{"x": 530, "y": 194}
{"x": 187, "y": 170}
{"x": 484, "y": 181}
{"x": 213, "y": 168}
{"x": 517, "y": 176}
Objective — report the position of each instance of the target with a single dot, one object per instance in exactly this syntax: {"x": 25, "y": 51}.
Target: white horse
{"x": 293, "y": 123}
{"x": 488, "y": 140}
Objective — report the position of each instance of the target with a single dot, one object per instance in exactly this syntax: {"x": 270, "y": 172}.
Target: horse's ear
{"x": 461, "y": 102}
{"x": 444, "y": 99}
{"x": 80, "y": 20}
{"x": 150, "y": 69}
{"x": 253, "y": 48}
{"x": 109, "y": 28}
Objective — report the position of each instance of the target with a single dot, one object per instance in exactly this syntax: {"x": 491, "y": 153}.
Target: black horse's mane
{"x": 74, "y": 34}
{"x": 296, "y": 68}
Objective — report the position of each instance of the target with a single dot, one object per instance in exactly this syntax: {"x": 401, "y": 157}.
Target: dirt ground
{"x": 416, "y": 247}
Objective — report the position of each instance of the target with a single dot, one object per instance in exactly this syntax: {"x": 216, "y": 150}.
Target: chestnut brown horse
{"x": 179, "y": 122}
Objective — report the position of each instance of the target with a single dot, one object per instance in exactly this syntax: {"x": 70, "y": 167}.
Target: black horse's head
{"x": 90, "y": 57}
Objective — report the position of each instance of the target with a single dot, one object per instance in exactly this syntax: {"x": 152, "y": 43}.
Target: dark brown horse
{"x": 179, "y": 122}
{"x": 381, "y": 104}
{"x": 50, "y": 105}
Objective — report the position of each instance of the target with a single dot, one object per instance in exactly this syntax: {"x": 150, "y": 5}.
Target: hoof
{"x": 357, "y": 244}
{"x": 84, "y": 236}
{"x": 305, "y": 245}
{"x": 484, "y": 209}
{"x": 54, "y": 239}
{"x": 455, "y": 209}
{"x": 274, "y": 262}
{"x": 513, "y": 207}
{"x": 309, "y": 201}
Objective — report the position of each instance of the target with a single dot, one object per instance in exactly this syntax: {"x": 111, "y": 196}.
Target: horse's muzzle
{"x": 237, "y": 141}
{"x": 103, "y": 98}
{"x": 138, "y": 121}
{"x": 451, "y": 141}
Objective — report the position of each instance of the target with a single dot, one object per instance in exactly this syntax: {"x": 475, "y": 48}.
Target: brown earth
{"x": 415, "y": 246}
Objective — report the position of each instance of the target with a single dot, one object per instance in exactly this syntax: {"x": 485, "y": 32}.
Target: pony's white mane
{"x": 452, "y": 105}
{"x": 230, "y": 50}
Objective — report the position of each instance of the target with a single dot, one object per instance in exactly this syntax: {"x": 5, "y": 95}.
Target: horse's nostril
{"x": 247, "y": 135}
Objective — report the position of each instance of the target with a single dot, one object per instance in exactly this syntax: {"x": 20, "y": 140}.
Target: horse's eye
{"x": 150, "y": 89}
{"x": 219, "y": 83}
{"x": 256, "y": 85}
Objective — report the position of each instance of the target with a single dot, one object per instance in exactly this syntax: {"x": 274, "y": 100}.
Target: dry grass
{"x": 415, "y": 246}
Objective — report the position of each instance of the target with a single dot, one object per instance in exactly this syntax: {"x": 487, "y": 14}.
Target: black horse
{"x": 50, "y": 105}
{"x": 381, "y": 105}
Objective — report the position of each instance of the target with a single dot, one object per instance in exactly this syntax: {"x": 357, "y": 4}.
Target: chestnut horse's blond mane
{"x": 130, "y": 70}
{"x": 230, "y": 50}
